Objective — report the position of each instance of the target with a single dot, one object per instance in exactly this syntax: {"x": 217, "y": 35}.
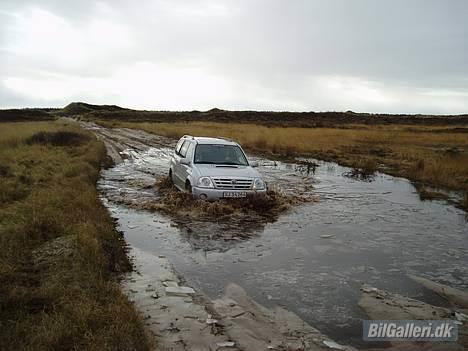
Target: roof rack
{"x": 224, "y": 138}
{"x": 188, "y": 136}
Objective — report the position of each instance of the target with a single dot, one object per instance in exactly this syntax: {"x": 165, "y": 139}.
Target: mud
{"x": 384, "y": 305}
{"x": 177, "y": 322}
{"x": 457, "y": 298}
{"x": 313, "y": 258}
{"x": 190, "y": 321}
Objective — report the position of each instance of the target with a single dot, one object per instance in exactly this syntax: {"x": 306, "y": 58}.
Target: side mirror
{"x": 253, "y": 164}
{"x": 184, "y": 161}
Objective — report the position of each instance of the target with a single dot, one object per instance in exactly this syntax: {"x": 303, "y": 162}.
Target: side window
{"x": 184, "y": 148}
{"x": 179, "y": 144}
{"x": 189, "y": 152}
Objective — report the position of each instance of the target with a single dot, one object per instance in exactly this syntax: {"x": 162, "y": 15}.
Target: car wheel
{"x": 170, "y": 176}
{"x": 188, "y": 187}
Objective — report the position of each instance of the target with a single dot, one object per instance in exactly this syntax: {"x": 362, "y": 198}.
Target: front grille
{"x": 233, "y": 183}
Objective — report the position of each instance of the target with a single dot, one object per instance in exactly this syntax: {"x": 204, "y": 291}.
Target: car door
{"x": 175, "y": 159}
{"x": 186, "y": 170}
{"x": 180, "y": 169}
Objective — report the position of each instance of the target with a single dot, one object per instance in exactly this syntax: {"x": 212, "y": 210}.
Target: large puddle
{"x": 312, "y": 259}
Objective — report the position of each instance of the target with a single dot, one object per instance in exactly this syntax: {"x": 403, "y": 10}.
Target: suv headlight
{"x": 258, "y": 184}
{"x": 205, "y": 182}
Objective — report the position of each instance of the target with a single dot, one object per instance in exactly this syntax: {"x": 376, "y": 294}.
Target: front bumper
{"x": 215, "y": 194}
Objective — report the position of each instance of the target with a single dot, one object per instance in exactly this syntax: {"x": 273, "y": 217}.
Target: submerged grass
{"x": 176, "y": 203}
{"x": 436, "y": 156}
{"x": 59, "y": 247}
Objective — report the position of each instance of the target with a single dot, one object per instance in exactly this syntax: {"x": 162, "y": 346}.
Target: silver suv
{"x": 213, "y": 168}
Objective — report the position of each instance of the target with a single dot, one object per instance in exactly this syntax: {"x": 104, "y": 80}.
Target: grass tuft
{"x": 59, "y": 138}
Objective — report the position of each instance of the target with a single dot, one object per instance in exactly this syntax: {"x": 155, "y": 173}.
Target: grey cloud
{"x": 277, "y": 46}
{"x": 9, "y": 99}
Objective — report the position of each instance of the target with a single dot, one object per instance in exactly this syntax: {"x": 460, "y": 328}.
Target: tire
{"x": 188, "y": 186}
{"x": 170, "y": 176}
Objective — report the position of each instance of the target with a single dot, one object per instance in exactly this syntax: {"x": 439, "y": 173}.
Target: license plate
{"x": 232, "y": 194}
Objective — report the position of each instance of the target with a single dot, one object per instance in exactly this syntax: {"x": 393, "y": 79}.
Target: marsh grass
{"x": 59, "y": 247}
{"x": 268, "y": 205}
{"x": 433, "y": 155}
{"x": 364, "y": 169}
{"x": 58, "y": 138}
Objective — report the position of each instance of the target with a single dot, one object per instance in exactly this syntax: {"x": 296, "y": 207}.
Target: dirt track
{"x": 313, "y": 259}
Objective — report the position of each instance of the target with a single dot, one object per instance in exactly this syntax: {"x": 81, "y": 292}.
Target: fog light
{"x": 203, "y": 196}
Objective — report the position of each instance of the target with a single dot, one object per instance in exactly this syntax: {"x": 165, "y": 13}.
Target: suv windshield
{"x": 220, "y": 155}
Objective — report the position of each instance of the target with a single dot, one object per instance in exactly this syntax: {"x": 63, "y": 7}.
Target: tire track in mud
{"x": 313, "y": 259}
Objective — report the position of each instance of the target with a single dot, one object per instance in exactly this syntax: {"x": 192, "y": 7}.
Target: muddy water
{"x": 314, "y": 258}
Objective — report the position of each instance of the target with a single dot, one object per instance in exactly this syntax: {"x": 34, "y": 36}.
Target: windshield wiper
{"x": 231, "y": 164}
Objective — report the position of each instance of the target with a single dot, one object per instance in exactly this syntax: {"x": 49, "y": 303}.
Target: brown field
{"x": 60, "y": 253}
{"x": 430, "y": 155}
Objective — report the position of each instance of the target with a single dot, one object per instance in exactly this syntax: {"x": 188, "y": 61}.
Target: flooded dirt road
{"x": 314, "y": 258}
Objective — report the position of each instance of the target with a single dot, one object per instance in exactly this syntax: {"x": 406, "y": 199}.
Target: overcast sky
{"x": 301, "y": 55}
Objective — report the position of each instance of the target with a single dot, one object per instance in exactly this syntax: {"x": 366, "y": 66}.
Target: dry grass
{"x": 436, "y": 156}
{"x": 59, "y": 247}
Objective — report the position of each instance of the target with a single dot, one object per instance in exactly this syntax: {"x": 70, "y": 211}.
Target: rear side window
{"x": 179, "y": 144}
{"x": 184, "y": 148}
